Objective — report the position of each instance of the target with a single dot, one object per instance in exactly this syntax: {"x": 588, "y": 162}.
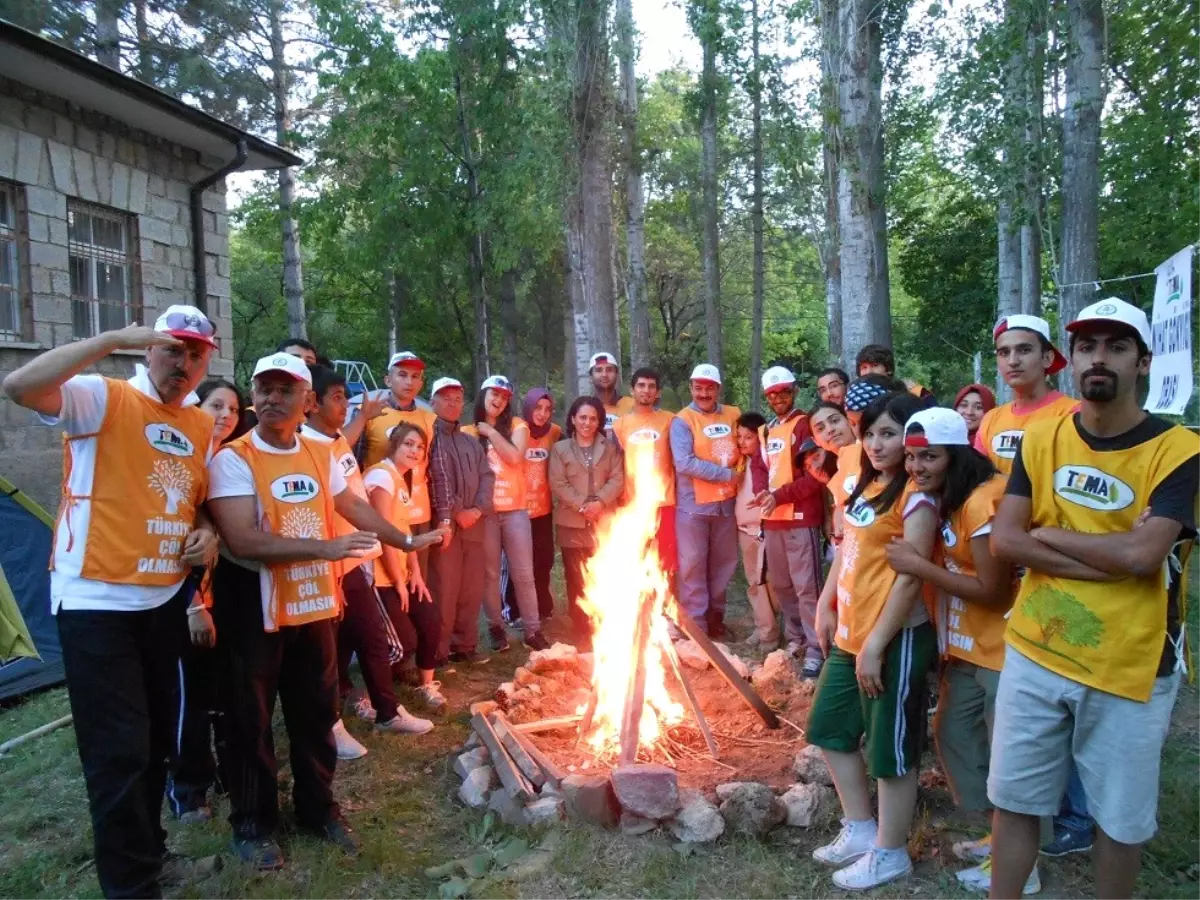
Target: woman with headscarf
{"x": 972, "y": 403}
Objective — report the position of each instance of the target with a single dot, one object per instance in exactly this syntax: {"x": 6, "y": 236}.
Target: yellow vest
{"x": 777, "y": 447}
{"x": 971, "y": 631}
{"x": 713, "y": 440}
{"x": 647, "y": 434}
{"x": 1107, "y": 635}
{"x": 1001, "y": 429}
{"x": 379, "y": 430}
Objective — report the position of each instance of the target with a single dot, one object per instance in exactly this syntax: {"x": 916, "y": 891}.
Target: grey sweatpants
{"x": 510, "y": 531}
{"x": 794, "y": 573}
{"x": 708, "y": 557}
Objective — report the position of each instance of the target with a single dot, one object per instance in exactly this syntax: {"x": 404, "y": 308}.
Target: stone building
{"x": 112, "y": 207}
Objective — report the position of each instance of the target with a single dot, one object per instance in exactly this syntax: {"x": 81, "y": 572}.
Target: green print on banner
{"x": 1060, "y": 615}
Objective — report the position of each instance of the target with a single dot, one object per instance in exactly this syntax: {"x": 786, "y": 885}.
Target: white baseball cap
{"x": 1114, "y": 310}
{"x": 706, "y": 372}
{"x": 284, "y": 362}
{"x": 1035, "y": 324}
{"x": 405, "y": 358}
{"x": 940, "y": 427}
{"x": 776, "y": 377}
{"x": 497, "y": 383}
{"x": 186, "y": 323}
{"x": 443, "y": 383}
{"x": 603, "y": 358}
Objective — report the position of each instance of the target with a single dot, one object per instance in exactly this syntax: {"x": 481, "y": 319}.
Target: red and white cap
{"x": 1037, "y": 325}
{"x": 1116, "y": 311}
{"x": 286, "y": 363}
{"x": 405, "y": 358}
{"x": 186, "y": 323}
{"x": 706, "y": 372}
{"x": 442, "y": 383}
{"x": 776, "y": 378}
{"x": 936, "y": 427}
{"x": 497, "y": 383}
{"x": 603, "y": 359}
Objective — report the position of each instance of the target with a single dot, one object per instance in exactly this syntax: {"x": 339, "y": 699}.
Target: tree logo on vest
{"x": 1091, "y": 488}
{"x": 302, "y": 523}
{"x": 295, "y": 488}
{"x": 1006, "y": 443}
{"x": 862, "y": 514}
{"x": 537, "y": 454}
{"x": 644, "y": 436}
{"x": 172, "y": 481}
{"x": 168, "y": 439}
{"x": 493, "y": 459}
{"x": 949, "y": 539}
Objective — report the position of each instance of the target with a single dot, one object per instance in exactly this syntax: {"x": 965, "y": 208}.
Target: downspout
{"x": 199, "y": 255}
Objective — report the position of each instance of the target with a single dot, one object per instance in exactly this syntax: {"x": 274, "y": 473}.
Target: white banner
{"x": 1171, "y": 331}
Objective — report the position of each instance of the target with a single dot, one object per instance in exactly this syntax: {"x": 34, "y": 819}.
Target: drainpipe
{"x": 199, "y": 255}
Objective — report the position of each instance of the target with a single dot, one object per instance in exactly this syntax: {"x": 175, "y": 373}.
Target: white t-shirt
{"x": 84, "y": 404}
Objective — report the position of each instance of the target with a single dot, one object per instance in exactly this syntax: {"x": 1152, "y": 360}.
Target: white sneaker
{"x": 347, "y": 746}
{"x": 873, "y": 869}
{"x": 979, "y": 878}
{"x": 405, "y": 723}
{"x": 432, "y": 696}
{"x": 364, "y": 710}
{"x": 855, "y": 839}
{"x": 969, "y": 851}
{"x": 795, "y": 649}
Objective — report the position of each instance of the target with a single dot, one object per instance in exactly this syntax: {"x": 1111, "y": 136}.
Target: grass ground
{"x": 399, "y": 799}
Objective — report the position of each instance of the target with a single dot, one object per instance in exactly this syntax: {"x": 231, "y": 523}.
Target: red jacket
{"x": 804, "y": 492}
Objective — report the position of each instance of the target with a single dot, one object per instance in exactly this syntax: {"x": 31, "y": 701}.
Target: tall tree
{"x": 756, "y": 208}
{"x": 1084, "y": 96}
{"x": 281, "y": 84}
{"x": 862, "y": 214}
{"x": 830, "y": 244}
{"x": 706, "y": 23}
{"x": 108, "y": 33}
{"x": 635, "y": 199}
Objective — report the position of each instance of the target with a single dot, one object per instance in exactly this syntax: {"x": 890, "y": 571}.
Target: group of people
{"x": 227, "y": 554}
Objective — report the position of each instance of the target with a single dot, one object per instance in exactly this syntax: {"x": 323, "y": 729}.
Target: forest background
{"x": 507, "y": 186}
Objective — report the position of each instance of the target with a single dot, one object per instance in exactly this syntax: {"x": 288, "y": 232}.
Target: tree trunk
{"x": 635, "y": 200}
{"x": 862, "y": 215}
{"x": 1008, "y": 275}
{"x": 709, "y": 36}
{"x": 476, "y": 249}
{"x": 1081, "y": 163}
{"x": 510, "y": 324}
{"x": 398, "y": 302}
{"x": 293, "y": 275}
{"x": 145, "y": 57}
{"x": 1034, "y": 64}
{"x": 108, "y": 33}
{"x": 831, "y": 260}
{"x": 756, "y": 213}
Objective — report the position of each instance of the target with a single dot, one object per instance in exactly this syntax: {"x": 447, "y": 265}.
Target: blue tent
{"x": 26, "y": 539}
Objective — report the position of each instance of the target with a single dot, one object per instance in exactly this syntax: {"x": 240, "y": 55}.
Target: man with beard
{"x": 606, "y": 373}
{"x": 1098, "y": 508}
{"x": 1025, "y": 358}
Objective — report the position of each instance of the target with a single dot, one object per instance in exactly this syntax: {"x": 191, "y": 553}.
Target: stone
{"x": 468, "y": 762}
{"x": 85, "y": 175}
{"x": 586, "y": 661}
{"x": 692, "y": 656}
{"x": 524, "y": 677}
{"x": 510, "y": 810}
{"x": 647, "y": 789}
{"x": 473, "y": 740}
{"x": 484, "y": 708}
{"x": 504, "y": 694}
{"x": 30, "y": 149}
{"x": 698, "y": 822}
{"x": 807, "y": 804}
{"x": 549, "y": 790}
{"x": 635, "y": 824}
{"x": 590, "y": 799}
{"x": 556, "y": 657}
{"x": 736, "y": 661}
{"x": 62, "y": 167}
{"x": 750, "y": 807}
{"x": 474, "y": 789}
{"x": 810, "y": 767}
{"x": 545, "y": 809}
{"x": 776, "y": 672}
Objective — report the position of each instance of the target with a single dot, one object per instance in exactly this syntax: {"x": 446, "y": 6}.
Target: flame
{"x": 625, "y": 570}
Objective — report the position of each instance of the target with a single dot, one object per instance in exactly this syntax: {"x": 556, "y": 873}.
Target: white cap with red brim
{"x": 706, "y": 372}
{"x": 442, "y": 383}
{"x": 603, "y": 359}
{"x": 936, "y": 427}
{"x": 186, "y": 323}
{"x": 405, "y": 358}
{"x": 286, "y": 363}
{"x": 1037, "y": 325}
{"x": 497, "y": 383}
{"x": 1115, "y": 311}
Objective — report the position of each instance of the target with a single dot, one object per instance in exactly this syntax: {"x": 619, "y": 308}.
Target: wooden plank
{"x": 510, "y": 776}
{"x": 548, "y": 724}
{"x": 635, "y": 691}
{"x": 553, "y": 773}
{"x": 529, "y": 768}
{"x": 728, "y": 672}
{"x": 673, "y": 658}
{"x": 585, "y": 724}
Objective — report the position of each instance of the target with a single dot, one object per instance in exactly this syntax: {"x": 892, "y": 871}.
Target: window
{"x": 104, "y": 294}
{"x": 12, "y": 321}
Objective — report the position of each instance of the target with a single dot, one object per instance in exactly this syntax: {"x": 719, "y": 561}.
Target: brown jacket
{"x": 569, "y": 480}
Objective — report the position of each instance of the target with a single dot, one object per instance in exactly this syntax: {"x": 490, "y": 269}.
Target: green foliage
{"x": 1060, "y": 615}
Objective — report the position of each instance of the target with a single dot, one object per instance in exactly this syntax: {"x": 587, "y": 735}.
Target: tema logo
{"x": 1089, "y": 487}
{"x": 862, "y": 514}
{"x": 294, "y": 488}
{"x": 644, "y": 436}
{"x": 949, "y": 539}
{"x": 719, "y": 430}
{"x": 537, "y": 454}
{"x": 167, "y": 439}
{"x": 775, "y": 446}
{"x": 1006, "y": 443}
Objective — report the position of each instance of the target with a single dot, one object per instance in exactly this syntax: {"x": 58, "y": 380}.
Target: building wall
{"x": 53, "y": 150}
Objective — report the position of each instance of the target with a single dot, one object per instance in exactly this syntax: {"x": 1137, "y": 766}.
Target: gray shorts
{"x": 1043, "y": 720}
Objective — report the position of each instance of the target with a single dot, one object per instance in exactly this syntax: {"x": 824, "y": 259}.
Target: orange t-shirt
{"x": 651, "y": 433}
{"x": 538, "y": 499}
{"x": 614, "y": 411}
{"x": 1002, "y": 428}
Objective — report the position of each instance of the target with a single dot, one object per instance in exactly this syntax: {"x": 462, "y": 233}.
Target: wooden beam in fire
{"x": 635, "y": 691}
{"x": 528, "y": 766}
{"x": 673, "y": 658}
{"x": 552, "y": 773}
{"x": 510, "y": 776}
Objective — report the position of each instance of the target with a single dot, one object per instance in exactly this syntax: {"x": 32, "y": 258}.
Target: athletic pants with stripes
{"x": 200, "y": 728}
{"x": 363, "y": 631}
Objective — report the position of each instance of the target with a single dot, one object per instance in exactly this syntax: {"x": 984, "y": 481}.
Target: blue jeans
{"x": 1073, "y": 813}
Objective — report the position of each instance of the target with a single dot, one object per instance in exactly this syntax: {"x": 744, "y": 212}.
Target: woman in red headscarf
{"x": 972, "y": 403}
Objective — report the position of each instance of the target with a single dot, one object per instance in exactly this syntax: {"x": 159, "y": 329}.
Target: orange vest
{"x": 865, "y": 579}
{"x": 509, "y": 490}
{"x": 1002, "y": 428}
{"x": 344, "y": 457}
{"x": 401, "y": 510}
{"x": 538, "y": 499}
{"x": 714, "y": 441}
{"x": 151, "y": 473}
{"x": 971, "y": 631}
{"x": 777, "y": 448}
{"x": 647, "y": 434}
{"x": 293, "y": 489}
{"x": 379, "y": 430}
